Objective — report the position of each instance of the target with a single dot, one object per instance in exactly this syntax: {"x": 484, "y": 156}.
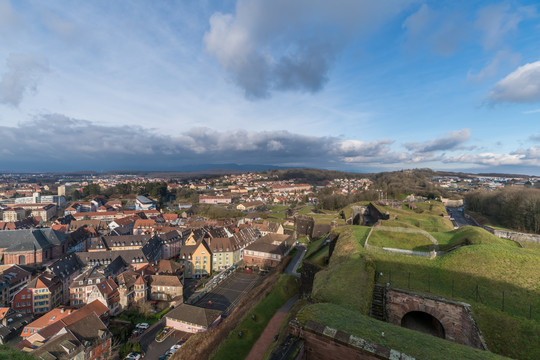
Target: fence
{"x": 515, "y": 301}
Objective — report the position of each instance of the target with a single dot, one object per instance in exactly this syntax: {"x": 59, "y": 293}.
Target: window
{"x": 22, "y": 297}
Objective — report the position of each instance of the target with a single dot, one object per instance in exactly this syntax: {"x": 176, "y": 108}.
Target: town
{"x": 102, "y": 266}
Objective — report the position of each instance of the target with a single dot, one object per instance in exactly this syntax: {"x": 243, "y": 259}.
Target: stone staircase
{"x": 378, "y": 303}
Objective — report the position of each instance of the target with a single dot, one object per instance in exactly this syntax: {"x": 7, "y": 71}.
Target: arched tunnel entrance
{"x": 423, "y": 322}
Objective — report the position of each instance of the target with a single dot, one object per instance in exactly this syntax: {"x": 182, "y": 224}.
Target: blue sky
{"x": 351, "y": 85}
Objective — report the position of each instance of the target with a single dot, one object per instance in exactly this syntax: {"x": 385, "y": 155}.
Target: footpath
{"x": 267, "y": 337}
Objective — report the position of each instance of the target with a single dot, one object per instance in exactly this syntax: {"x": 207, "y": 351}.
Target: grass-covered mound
{"x": 428, "y": 216}
{"x": 238, "y": 347}
{"x": 348, "y": 279}
{"x": 397, "y": 240}
{"x": 413, "y": 343}
{"x": 9, "y": 353}
{"x": 469, "y": 235}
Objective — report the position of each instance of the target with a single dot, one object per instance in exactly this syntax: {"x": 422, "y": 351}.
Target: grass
{"x": 416, "y": 242}
{"x": 319, "y": 257}
{"x": 428, "y": 216}
{"x": 468, "y": 235}
{"x": 314, "y": 246}
{"x": 9, "y": 353}
{"x": 236, "y": 347}
{"x": 348, "y": 278}
{"x": 413, "y": 343}
{"x": 505, "y": 333}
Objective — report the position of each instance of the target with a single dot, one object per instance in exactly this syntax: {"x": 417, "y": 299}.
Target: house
{"x": 196, "y": 256}
{"x": 66, "y": 269}
{"x": 144, "y": 203}
{"x": 192, "y": 319}
{"x": 171, "y": 243}
{"x": 267, "y": 227}
{"x": 17, "y": 278}
{"x": 206, "y": 199}
{"x": 47, "y": 293}
{"x": 12, "y": 323}
{"x": 32, "y": 246}
{"x": 225, "y": 252}
{"x": 23, "y": 301}
{"x": 144, "y": 226}
{"x": 86, "y": 338}
{"x": 250, "y": 206}
{"x": 94, "y": 284}
{"x": 47, "y": 326}
{"x": 165, "y": 287}
{"x": 127, "y": 222}
{"x": 45, "y": 320}
{"x": 132, "y": 288}
{"x": 4, "y": 291}
{"x": 267, "y": 251}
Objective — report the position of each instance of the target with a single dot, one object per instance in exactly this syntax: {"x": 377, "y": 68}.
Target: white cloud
{"x": 497, "y": 21}
{"x": 22, "y": 76}
{"x": 522, "y": 85}
{"x": 448, "y": 142}
{"x": 289, "y": 45}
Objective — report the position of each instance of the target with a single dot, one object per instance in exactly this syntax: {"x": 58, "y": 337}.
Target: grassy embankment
{"x": 238, "y": 347}
{"x": 413, "y": 343}
{"x": 494, "y": 265}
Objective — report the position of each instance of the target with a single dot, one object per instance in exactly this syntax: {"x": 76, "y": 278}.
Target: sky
{"x": 354, "y": 85}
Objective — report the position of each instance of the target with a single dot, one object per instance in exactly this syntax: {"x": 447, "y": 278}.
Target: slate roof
{"x": 27, "y": 239}
{"x": 194, "y": 315}
{"x": 66, "y": 266}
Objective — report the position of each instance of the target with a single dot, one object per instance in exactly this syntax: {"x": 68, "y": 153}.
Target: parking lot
{"x": 227, "y": 294}
{"x": 153, "y": 349}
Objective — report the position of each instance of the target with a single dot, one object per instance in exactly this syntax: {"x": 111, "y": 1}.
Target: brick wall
{"x": 455, "y": 317}
{"x": 257, "y": 261}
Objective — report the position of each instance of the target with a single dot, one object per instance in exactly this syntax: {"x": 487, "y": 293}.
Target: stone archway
{"x": 423, "y": 322}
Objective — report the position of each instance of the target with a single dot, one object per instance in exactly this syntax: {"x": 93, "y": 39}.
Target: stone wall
{"x": 307, "y": 276}
{"x": 304, "y": 225}
{"x": 455, "y": 317}
{"x": 516, "y": 236}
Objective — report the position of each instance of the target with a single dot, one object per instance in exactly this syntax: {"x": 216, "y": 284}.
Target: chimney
{"x": 62, "y": 310}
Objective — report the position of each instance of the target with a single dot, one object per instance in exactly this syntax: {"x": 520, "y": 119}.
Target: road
{"x": 153, "y": 349}
{"x": 293, "y": 265}
{"x": 459, "y": 218}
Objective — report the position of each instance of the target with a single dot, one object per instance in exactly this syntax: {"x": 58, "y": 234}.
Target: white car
{"x": 143, "y": 326}
{"x": 133, "y": 356}
{"x": 174, "y": 348}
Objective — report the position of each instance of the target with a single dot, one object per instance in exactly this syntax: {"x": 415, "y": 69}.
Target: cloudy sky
{"x": 355, "y": 85}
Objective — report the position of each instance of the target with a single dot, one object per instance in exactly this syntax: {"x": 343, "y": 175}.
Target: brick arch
{"x": 453, "y": 316}
{"x": 423, "y": 322}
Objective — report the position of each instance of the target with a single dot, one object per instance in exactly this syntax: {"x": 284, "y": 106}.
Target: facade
{"x": 17, "y": 278}
{"x": 225, "y": 252}
{"x": 205, "y": 199}
{"x": 66, "y": 269}
{"x": 47, "y": 293}
{"x": 197, "y": 258}
{"x": 23, "y": 301}
{"x": 132, "y": 288}
{"x": 144, "y": 203}
{"x": 267, "y": 251}
{"x": 32, "y": 246}
{"x": 192, "y": 319}
{"x": 165, "y": 287}
{"x": 267, "y": 227}
{"x": 171, "y": 243}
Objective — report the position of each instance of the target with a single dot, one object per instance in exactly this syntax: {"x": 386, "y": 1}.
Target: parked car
{"x": 133, "y": 356}
{"x": 174, "y": 348}
{"x": 143, "y": 326}
{"x": 164, "y": 357}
